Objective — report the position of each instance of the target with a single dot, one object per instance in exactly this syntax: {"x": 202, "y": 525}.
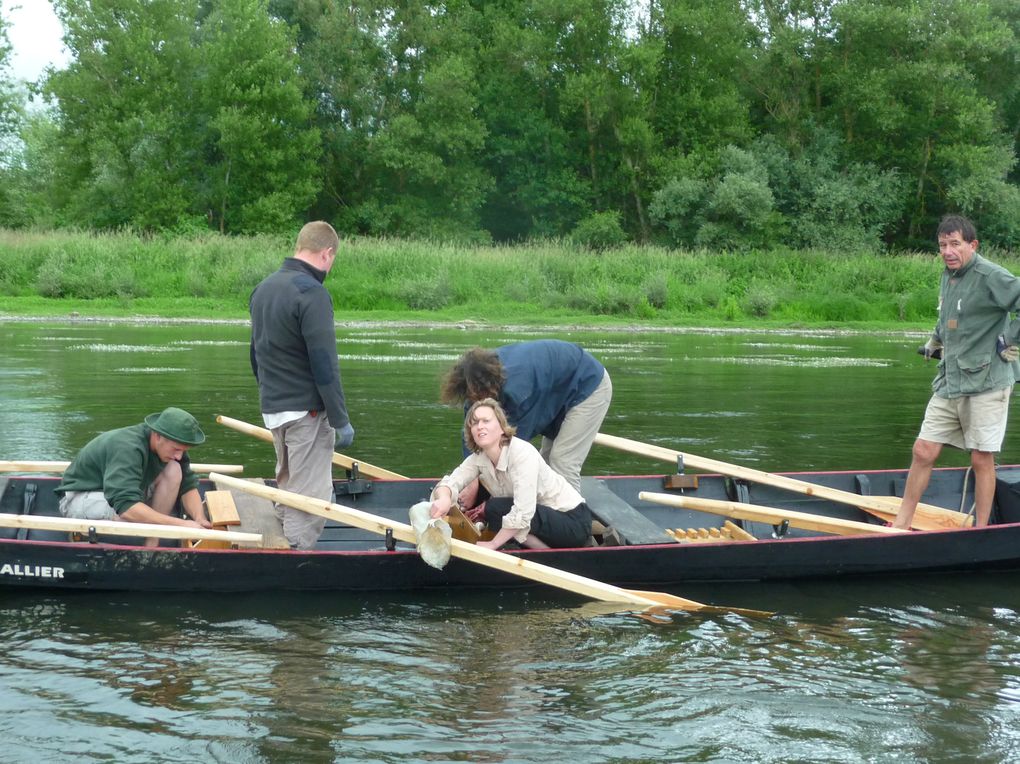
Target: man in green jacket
{"x": 977, "y": 336}
{"x": 137, "y": 474}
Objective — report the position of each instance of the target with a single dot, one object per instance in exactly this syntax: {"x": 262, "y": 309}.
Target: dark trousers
{"x": 557, "y": 529}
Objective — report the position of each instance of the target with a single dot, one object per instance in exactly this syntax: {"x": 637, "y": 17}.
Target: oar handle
{"x": 927, "y": 517}
{"x": 338, "y": 459}
{"x": 8, "y": 466}
{"x": 771, "y": 515}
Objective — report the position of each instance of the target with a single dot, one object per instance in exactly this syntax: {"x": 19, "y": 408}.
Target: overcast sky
{"x": 35, "y": 33}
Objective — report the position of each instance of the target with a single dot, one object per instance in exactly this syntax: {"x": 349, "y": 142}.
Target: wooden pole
{"x": 771, "y": 515}
{"x": 338, "y": 459}
{"x": 124, "y": 528}
{"x": 61, "y": 466}
{"x": 927, "y": 517}
{"x": 480, "y": 555}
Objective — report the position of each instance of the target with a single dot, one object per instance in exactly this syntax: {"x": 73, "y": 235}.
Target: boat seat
{"x": 609, "y": 509}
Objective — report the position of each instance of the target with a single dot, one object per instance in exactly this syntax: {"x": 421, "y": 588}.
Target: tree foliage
{"x": 841, "y": 124}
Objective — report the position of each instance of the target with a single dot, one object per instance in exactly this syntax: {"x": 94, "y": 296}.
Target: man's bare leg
{"x": 983, "y": 463}
{"x": 165, "y": 490}
{"x": 925, "y": 453}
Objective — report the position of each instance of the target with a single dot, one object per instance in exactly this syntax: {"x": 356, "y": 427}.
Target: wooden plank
{"x": 771, "y": 515}
{"x": 610, "y": 509}
{"x": 461, "y": 526}
{"x": 738, "y": 533}
{"x": 258, "y": 515}
{"x": 927, "y": 516}
{"x": 58, "y": 467}
{"x": 123, "y": 528}
{"x": 221, "y": 509}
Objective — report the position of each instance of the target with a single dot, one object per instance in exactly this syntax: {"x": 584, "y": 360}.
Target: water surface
{"x": 910, "y": 669}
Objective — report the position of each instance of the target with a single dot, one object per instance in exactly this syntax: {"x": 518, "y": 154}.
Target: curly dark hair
{"x": 477, "y": 374}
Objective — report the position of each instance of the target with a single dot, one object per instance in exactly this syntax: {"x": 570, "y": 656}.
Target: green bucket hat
{"x": 178, "y": 425}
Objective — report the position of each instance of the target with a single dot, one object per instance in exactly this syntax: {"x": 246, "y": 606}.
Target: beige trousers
{"x": 567, "y": 451}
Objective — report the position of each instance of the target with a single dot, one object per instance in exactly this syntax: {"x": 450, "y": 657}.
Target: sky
{"x": 35, "y": 34}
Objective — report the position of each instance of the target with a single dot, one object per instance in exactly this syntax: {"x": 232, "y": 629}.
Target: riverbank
{"x": 543, "y": 283}
{"x": 623, "y": 327}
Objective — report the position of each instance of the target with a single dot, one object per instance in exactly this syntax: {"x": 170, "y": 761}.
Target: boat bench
{"x": 609, "y": 509}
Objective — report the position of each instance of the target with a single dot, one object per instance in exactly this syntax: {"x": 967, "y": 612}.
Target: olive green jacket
{"x": 120, "y": 464}
{"x": 976, "y": 306}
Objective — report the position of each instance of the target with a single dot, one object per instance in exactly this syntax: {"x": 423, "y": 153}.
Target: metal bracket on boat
{"x": 863, "y": 483}
{"x": 680, "y": 480}
{"x": 391, "y": 543}
{"x": 27, "y": 505}
{"x": 93, "y": 536}
{"x": 354, "y": 485}
{"x": 779, "y": 531}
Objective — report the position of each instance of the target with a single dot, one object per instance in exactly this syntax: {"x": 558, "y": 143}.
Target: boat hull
{"x": 353, "y": 561}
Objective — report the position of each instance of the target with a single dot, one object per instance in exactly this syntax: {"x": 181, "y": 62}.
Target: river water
{"x": 913, "y": 669}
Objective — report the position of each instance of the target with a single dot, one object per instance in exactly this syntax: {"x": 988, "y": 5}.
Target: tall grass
{"x": 213, "y": 275}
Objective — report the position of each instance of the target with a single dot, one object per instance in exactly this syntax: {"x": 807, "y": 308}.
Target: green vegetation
{"x": 736, "y": 125}
{"x": 381, "y": 279}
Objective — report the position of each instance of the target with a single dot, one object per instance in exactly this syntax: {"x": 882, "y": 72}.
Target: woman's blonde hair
{"x": 508, "y": 430}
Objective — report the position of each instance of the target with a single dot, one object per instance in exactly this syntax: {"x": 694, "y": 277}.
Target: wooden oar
{"x": 463, "y": 528}
{"x": 477, "y": 554}
{"x": 927, "y": 517}
{"x": 61, "y": 466}
{"x": 124, "y": 528}
{"x": 771, "y": 515}
{"x": 338, "y": 459}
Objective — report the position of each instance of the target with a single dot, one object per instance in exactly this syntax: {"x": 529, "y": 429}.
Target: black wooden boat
{"x": 640, "y": 553}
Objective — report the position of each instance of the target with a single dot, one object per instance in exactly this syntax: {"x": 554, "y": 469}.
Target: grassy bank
{"x": 54, "y": 273}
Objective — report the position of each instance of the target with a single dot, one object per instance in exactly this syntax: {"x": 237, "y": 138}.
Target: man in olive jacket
{"x": 137, "y": 474}
{"x": 977, "y": 336}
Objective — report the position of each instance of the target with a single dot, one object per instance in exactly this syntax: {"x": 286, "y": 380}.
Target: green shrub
{"x": 600, "y": 231}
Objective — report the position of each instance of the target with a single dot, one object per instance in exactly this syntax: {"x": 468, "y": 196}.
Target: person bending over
{"x": 137, "y": 474}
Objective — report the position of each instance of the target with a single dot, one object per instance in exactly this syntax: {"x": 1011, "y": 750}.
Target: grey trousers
{"x": 304, "y": 464}
{"x": 568, "y": 450}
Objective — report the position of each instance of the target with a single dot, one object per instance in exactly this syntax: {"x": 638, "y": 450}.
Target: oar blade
{"x": 673, "y": 602}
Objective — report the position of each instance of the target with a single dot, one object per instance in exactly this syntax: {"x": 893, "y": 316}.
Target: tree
{"x": 904, "y": 89}
{"x": 174, "y": 116}
{"x": 261, "y": 154}
{"x": 11, "y": 113}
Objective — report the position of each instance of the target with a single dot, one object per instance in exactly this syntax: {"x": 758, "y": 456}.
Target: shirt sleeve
{"x": 122, "y": 479}
{"x": 320, "y": 339}
{"x": 459, "y": 479}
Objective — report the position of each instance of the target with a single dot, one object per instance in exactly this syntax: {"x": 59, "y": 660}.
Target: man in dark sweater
{"x": 294, "y": 359}
{"x": 137, "y": 473}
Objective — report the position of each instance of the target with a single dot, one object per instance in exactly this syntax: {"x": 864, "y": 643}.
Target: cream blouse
{"x": 520, "y": 472}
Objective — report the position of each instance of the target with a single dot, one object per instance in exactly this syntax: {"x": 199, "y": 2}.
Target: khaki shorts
{"x": 971, "y": 422}
{"x": 86, "y": 505}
